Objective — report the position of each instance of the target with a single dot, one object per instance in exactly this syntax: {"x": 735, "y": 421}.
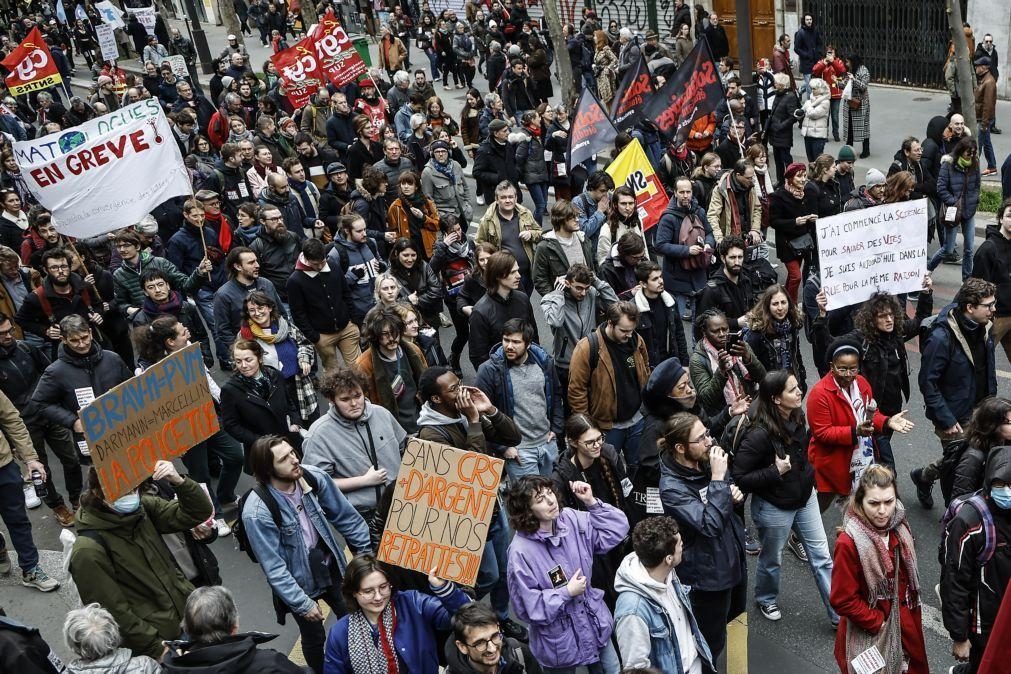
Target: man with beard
{"x": 422, "y": 85}
{"x": 340, "y": 132}
{"x": 244, "y": 270}
{"x": 61, "y": 294}
{"x": 659, "y": 325}
{"x": 315, "y": 116}
{"x": 278, "y": 194}
{"x": 41, "y": 235}
{"x": 735, "y": 207}
{"x": 277, "y": 250}
{"x": 333, "y": 197}
{"x": 684, "y": 263}
{"x": 267, "y": 136}
{"x": 306, "y": 194}
{"x": 314, "y": 157}
{"x": 229, "y": 180}
{"x": 392, "y": 366}
{"x": 729, "y": 290}
{"x": 372, "y": 105}
{"x": 397, "y": 95}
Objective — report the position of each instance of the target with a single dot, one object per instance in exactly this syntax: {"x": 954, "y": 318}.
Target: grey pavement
{"x": 802, "y": 641}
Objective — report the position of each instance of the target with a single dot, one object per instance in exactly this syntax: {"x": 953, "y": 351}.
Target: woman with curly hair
{"x": 570, "y": 625}
{"x": 881, "y": 330}
{"x": 990, "y": 427}
{"x": 774, "y": 333}
{"x": 285, "y": 349}
{"x": 605, "y": 67}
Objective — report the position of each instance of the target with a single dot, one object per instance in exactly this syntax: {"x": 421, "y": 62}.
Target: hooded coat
{"x": 235, "y": 654}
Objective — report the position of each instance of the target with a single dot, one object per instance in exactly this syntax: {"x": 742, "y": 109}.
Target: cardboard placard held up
{"x": 441, "y": 510}
{"x": 159, "y": 414}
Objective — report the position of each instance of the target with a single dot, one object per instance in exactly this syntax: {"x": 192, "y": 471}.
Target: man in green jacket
{"x": 559, "y": 249}
{"x": 126, "y": 279}
{"x": 120, "y": 559}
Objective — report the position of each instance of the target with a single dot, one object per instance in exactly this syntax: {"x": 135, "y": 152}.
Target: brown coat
{"x": 593, "y": 392}
{"x": 397, "y": 54}
{"x": 398, "y": 221}
{"x": 14, "y": 438}
{"x": 379, "y": 391}
{"x": 986, "y": 100}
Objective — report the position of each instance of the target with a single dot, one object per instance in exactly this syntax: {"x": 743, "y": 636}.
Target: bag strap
{"x": 989, "y": 528}
{"x": 594, "y": 344}
{"x": 268, "y": 500}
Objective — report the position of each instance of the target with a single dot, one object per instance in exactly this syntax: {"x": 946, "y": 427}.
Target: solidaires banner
{"x": 107, "y": 173}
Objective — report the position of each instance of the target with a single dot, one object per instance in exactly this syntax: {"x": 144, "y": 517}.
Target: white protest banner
{"x": 106, "y": 173}
{"x": 147, "y": 17}
{"x": 882, "y": 248}
{"x": 107, "y": 41}
{"x": 178, "y": 64}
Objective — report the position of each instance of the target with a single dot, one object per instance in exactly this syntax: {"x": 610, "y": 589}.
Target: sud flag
{"x": 300, "y": 71}
{"x": 338, "y": 60}
{"x": 31, "y": 66}
{"x": 591, "y": 131}
{"x": 633, "y": 92}
{"x": 633, "y": 169}
{"x": 692, "y": 92}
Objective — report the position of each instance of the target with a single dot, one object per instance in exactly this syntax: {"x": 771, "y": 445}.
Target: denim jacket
{"x": 282, "y": 554}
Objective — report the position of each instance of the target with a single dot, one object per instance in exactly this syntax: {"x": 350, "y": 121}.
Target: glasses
{"x": 846, "y": 370}
{"x": 380, "y": 591}
{"x": 7, "y": 333}
{"x": 58, "y": 267}
{"x": 269, "y": 219}
{"x": 595, "y": 442}
{"x": 988, "y": 305}
{"x": 702, "y": 438}
{"x": 482, "y": 644}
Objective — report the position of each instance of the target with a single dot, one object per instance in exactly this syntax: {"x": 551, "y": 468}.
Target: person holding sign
{"x": 405, "y": 622}
{"x": 120, "y": 559}
{"x": 570, "y": 625}
{"x": 874, "y": 551}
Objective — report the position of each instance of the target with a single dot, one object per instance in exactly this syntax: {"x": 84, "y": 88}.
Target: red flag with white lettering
{"x": 693, "y": 91}
{"x": 338, "y": 60}
{"x": 31, "y": 66}
{"x": 300, "y": 71}
{"x": 591, "y": 131}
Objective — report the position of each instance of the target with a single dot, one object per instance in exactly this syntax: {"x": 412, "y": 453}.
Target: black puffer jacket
{"x": 779, "y": 129}
{"x": 530, "y": 160}
{"x": 98, "y": 371}
{"x": 235, "y": 654}
{"x": 754, "y": 468}
{"x": 933, "y": 149}
{"x": 277, "y": 259}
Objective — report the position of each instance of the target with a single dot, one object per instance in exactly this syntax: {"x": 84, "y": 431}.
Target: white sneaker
{"x": 31, "y": 498}
{"x": 222, "y": 527}
{"x": 480, "y": 200}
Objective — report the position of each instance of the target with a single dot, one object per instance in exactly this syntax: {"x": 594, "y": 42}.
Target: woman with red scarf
{"x": 873, "y": 553}
{"x": 387, "y": 630}
{"x": 530, "y": 163}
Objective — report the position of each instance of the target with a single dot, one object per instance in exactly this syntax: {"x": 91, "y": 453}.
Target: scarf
{"x": 259, "y": 385}
{"x": 781, "y": 343}
{"x": 534, "y": 131}
{"x": 863, "y": 451}
{"x": 224, "y": 230}
{"x": 239, "y": 137}
{"x": 170, "y": 306}
{"x": 368, "y": 657}
{"x": 445, "y": 170}
{"x": 460, "y": 249}
{"x": 878, "y": 566}
{"x": 278, "y": 336}
{"x": 734, "y": 386}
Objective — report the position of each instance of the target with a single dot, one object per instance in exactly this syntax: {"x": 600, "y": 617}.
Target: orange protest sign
{"x": 441, "y": 510}
{"x": 31, "y": 66}
{"x": 159, "y": 414}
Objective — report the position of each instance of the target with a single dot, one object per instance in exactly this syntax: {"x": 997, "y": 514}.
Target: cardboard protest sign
{"x": 441, "y": 510}
{"x": 338, "y": 60}
{"x": 591, "y": 131}
{"x": 633, "y": 169}
{"x": 693, "y": 91}
{"x": 633, "y": 92}
{"x": 300, "y": 71}
{"x": 882, "y": 248}
{"x": 31, "y": 66}
{"x": 107, "y": 173}
{"x": 159, "y": 414}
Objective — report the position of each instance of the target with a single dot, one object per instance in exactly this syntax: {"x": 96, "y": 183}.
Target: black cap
{"x": 335, "y": 167}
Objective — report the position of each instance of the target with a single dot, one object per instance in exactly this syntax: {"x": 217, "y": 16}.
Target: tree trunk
{"x": 230, "y": 19}
{"x": 963, "y": 66}
{"x": 562, "y": 61}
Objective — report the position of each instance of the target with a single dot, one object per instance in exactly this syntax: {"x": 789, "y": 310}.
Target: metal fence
{"x": 901, "y": 41}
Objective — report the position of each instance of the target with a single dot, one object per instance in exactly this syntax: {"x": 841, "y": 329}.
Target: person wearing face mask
{"x": 875, "y": 562}
{"x": 121, "y": 561}
{"x": 973, "y": 577}
{"x": 697, "y": 491}
{"x": 844, "y": 419}
{"x": 962, "y": 471}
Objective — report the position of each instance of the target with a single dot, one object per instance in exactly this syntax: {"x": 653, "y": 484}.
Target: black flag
{"x": 633, "y": 93}
{"x": 693, "y": 91}
{"x": 591, "y": 131}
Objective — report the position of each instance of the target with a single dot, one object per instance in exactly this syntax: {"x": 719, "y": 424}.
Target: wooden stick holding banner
{"x": 94, "y": 287}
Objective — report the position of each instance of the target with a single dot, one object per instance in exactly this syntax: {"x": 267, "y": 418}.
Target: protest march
{"x": 503, "y": 336}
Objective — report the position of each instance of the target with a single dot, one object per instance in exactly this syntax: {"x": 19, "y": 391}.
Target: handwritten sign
{"x": 441, "y": 510}
{"x": 107, "y": 41}
{"x": 882, "y": 248}
{"x": 159, "y": 414}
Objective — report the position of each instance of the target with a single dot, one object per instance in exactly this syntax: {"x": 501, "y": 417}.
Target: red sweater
{"x": 833, "y": 433}
{"x": 849, "y": 599}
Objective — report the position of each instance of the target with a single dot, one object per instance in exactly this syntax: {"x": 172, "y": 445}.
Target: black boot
{"x": 923, "y": 488}
{"x": 454, "y": 364}
{"x": 867, "y": 149}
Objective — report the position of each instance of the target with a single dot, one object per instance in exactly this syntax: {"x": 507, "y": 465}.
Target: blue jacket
{"x": 678, "y": 280}
{"x": 951, "y": 181}
{"x": 946, "y": 368}
{"x": 493, "y": 378}
{"x": 281, "y": 552}
{"x": 713, "y": 534}
{"x": 418, "y": 616}
{"x": 402, "y": 122}
{"x": 185, "y": 250}
{"x": 590, "y": 219}
{"x": 637, "y": 600}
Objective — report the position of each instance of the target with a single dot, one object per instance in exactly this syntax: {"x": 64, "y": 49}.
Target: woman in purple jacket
{"x": 570, "y": 626}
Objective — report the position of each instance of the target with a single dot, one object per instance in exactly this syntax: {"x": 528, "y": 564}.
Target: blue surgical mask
{"x": 125, "y": 505}
{"x": 1002, "y": 497}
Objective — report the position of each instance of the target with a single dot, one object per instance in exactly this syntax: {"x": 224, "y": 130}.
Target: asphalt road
{"x": 802, "y": 641}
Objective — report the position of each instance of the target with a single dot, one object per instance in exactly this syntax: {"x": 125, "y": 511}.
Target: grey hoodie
{"x": 345, "y": 448}
{"x": 120, "y": 661}
{"x": 570, "y": 320}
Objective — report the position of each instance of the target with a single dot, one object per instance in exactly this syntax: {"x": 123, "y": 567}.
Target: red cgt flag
{"x": 300, "y": 71}
{"x": 337, "y": 57}
{"x": 31, "y": 66}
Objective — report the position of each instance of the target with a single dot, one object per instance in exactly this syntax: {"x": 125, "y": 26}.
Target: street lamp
{"x": 199, "y": 39}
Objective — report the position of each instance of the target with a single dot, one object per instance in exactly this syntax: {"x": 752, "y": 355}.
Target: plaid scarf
{"x": 367, "y": 656}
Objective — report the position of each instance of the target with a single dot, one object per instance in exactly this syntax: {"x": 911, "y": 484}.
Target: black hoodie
{"x": 933, "y": 149}
{"x": 236, "y": 654}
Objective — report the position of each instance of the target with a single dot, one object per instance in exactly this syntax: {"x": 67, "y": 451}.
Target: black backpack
{"x": 239, "y": 528}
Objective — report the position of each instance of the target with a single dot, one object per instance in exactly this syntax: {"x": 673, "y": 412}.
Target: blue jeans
{"x": 539, "y": 460}
{"x": 626, "y": 440}
{"x": 607, "y": 664}
{"x": 774, "y": 527}
{"x": 433, "y": 61}
{"x": 204, "y": 299}
{"x": 805, "y": 87}
{"x": 229, "y": 451}
{"x": 814, "y": 147}
{"x": 833, "y": 112}
{"x": 986, "y": 146}
{"x": 969, "y": 236}
{"x": 491, "y": 575}
{"x": 15, "y": 517}
{"x": 539, "y": 193}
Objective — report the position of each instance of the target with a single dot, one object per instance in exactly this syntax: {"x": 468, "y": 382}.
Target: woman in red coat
{"x": 874, "y": 530}
{"x": 837, "y": 414}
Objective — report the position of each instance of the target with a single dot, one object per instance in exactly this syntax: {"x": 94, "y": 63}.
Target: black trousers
{"x": 314, "y": 633}
{"x": 713, "y": 610}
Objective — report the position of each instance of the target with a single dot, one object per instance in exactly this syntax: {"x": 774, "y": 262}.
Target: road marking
{"x": 737, "y": 645}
